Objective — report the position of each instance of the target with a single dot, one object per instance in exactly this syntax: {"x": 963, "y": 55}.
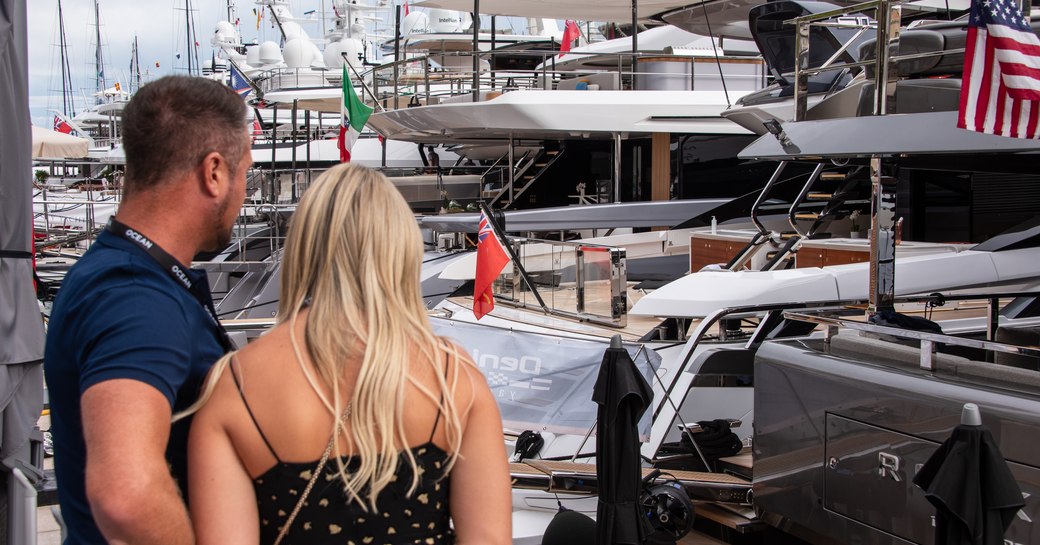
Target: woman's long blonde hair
{"x": 353, "y": 256}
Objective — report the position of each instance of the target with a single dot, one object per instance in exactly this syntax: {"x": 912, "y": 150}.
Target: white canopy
{"x": 56, "y": 145}
{"x": 599, "y": 10}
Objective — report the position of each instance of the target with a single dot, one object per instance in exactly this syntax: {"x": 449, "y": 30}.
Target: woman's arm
{"x": 481, "y": 499}
{"x": 221, "y": 499}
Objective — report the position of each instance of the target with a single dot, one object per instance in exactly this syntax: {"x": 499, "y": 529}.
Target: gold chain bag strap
{"x": 314, "y": 478}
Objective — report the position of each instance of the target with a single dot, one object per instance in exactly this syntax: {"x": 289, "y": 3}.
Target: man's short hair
{"x": 171, "y": 124}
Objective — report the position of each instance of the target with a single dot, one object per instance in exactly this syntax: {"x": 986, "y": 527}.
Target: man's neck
{"x": 174, "y": 235}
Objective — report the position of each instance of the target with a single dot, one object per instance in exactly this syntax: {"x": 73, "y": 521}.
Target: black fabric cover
{"x": 622, "y": 395}
{"x": 971, "y": 487}
{"x": 891, "y": 318}
{"x": 570, "y": 528}
{"x": 715, "y": 441}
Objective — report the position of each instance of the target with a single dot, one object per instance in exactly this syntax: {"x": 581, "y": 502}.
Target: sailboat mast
{"x": 99, "y": 57}
{"x": 135, "y": 68}
{"x": 194, "y": 39}
{"x": 187, "y": 34}
{"x": 68, "y": 107}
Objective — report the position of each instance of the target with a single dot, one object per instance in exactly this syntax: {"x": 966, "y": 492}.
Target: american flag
{"x": 1000, "y": 93}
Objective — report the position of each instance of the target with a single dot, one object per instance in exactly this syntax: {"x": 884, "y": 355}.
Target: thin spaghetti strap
{"x": 441, "y": 404}
{"x": 241, "y": 394}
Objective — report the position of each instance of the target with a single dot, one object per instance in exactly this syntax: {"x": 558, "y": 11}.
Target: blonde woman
{"x": 350, "y": 421}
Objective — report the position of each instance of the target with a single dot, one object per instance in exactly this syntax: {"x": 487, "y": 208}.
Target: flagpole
{"x": 249, "y": 80}
{"x": 361, "y": 80}
{"x": 512, "y": 254}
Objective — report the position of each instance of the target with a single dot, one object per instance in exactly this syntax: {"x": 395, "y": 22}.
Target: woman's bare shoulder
{"x": 468, "y": 380}
{"x": 273, "y": 343}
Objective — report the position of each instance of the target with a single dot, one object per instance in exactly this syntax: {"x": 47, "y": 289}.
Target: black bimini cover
{"x": 776, "y": 41}
{"x": 971, "y": 487}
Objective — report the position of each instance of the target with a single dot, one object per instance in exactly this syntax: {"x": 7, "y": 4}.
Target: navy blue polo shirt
{"x": 120, "y": 315}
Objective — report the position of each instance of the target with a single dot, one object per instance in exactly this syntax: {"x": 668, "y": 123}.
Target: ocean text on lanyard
{"x": 175, "y": 270}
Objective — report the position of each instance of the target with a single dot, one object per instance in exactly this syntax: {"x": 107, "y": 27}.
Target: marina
{"x": 765, "y": 210}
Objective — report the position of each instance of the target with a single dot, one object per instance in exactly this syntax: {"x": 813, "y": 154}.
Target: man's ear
{"x": 213, "y": 171}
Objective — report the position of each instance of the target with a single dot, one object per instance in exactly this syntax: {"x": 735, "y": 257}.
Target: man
{"x": 133, "y": 331}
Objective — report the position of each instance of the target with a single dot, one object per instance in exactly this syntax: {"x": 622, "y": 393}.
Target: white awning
{"x": 56, "y": 145}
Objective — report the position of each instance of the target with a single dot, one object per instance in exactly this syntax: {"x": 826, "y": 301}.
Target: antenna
{"x": 718, "y": 63}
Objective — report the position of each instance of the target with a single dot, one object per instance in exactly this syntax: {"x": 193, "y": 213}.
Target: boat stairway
{"x": 531, "y": 169}
{"x": 840, "y": 192}
{"x": 825, "y": 197}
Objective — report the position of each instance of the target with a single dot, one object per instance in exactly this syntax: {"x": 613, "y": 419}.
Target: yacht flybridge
{"x": 769, "y": 326}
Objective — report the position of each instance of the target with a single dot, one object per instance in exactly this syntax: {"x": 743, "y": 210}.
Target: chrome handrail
{"x": 618, "y": 316}
{"x": 708, "y": 322}
{"x": 928, "y": 340}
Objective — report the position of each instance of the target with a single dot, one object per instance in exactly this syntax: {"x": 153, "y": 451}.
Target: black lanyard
{"x": 176, "y": 271}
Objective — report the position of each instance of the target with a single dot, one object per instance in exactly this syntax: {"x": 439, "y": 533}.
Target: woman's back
{"x": 353, "y": 339}
{"x": 280, "y": 428}
{"x": 330, "y": 516}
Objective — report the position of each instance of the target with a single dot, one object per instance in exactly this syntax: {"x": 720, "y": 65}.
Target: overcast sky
{"x": 159, "y": 26}
{"x": 160, "y": 32}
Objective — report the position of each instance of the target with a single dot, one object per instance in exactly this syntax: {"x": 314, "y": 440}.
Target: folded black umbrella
{"x": 622, "y": 395}
{"x": 971, "y": 487}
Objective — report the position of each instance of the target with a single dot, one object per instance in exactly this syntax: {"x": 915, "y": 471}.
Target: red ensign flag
{"x": 491, "y": 259}
{"x": 571, "y": 33}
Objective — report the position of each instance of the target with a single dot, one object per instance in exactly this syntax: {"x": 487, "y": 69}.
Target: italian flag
{"x": 355, "y": 115}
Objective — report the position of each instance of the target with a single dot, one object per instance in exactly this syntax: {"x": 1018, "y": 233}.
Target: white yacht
{"x": 739, "y": 341}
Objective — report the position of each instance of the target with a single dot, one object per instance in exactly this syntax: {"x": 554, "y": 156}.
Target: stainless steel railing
{"x": 586, "y": 282}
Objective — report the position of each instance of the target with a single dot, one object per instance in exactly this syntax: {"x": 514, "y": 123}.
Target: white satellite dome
{"x": 224, "y": 35}
{"x": 332, "y": 58}
{"x": 446, "y": 21}
{"x": 269, "y": 53}
{"x": 297, "y": 53}
{"x": 349, "y": 49}
{"x": 253, "y": 55}
{"x": 415, "y": 22}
